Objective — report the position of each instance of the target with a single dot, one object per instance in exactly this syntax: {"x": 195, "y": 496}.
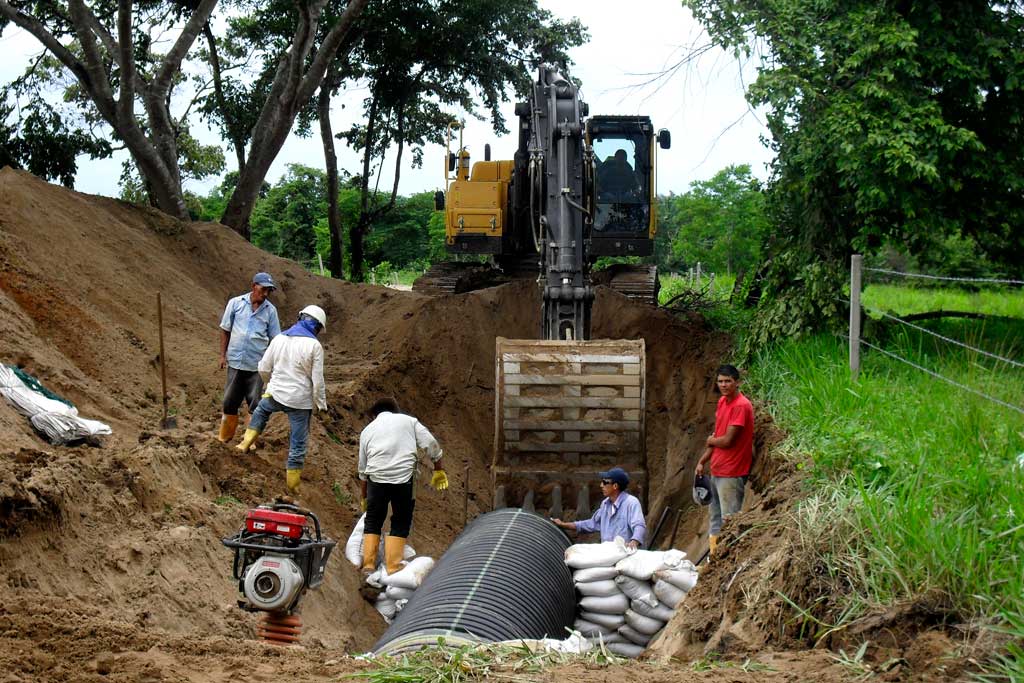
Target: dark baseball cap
{"x": 264, "y": 280}
{"x": 618, "y": 475}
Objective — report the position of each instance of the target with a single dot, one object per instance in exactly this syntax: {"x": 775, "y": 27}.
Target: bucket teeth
{"x": 528, "y": 502}
{"x": 556, "y": 502}
{"x": 499, "y": 497}
{"x": 583, "y": 503}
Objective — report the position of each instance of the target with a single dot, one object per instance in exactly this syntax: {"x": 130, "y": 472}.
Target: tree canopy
{"x": 893, "y": 123}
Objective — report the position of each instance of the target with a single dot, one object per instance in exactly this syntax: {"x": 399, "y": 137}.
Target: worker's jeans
{"x": 726, "y": 499}
{"x": 299, "y": 422}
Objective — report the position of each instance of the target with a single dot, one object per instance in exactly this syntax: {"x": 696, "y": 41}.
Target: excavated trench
{"x": 116, "y": 549}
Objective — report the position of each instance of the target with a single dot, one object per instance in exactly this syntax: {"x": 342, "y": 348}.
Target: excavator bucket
{"x": 564, "y": 411}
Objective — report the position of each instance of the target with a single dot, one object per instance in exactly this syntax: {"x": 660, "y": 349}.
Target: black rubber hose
{"x": 504, "y": 578}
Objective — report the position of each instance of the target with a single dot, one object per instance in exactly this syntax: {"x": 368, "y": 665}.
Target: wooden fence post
{"x": 856, "y": 261}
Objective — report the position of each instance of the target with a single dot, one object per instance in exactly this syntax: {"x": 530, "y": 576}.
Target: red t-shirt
{"x": 736, "y": 460}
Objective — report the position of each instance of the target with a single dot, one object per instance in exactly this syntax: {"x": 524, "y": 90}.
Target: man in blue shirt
{"x": 249, "y": 323}
{"x": 619, "y": 514}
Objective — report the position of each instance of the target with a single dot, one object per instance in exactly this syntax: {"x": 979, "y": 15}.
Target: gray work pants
{"x": 726, "y": 499}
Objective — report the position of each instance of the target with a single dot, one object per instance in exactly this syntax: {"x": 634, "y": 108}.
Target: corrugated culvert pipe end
{"x": 504, "y": 578}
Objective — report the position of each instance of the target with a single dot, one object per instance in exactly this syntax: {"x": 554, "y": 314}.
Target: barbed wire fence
{"x": 856, "y": 340}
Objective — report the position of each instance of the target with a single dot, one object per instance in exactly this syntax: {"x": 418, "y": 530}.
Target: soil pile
{"x": 110, "y": 558}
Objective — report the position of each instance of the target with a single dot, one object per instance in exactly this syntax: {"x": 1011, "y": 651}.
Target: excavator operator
{"x": 615, "y": 178}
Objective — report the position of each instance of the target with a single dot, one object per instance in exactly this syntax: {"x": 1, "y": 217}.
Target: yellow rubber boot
{"x": 292, "y": 479}
{"x": 228, "y": 426}
{"x": 371, "y": 546}
{"x": 247, "y": 440}
{"x": 394, "y": 546}
{"x": 712, "y": 546}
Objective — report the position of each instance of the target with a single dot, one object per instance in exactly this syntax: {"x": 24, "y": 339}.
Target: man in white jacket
{"x": 388, "y": 452}
{"x": 293, "y": 369}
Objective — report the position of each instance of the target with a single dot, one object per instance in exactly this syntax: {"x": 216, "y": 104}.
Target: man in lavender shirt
{"x": 619, "y": 514}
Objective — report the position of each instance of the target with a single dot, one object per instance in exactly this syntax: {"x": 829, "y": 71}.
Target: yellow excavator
{"x": 577, "y": 189}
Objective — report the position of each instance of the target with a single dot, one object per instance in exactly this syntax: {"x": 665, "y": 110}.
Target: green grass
{"x": 917, "y": 489}
{"x": 447, "y": 664}
{"x": 1007, "y": 302}
{"x": 719, "y": 288}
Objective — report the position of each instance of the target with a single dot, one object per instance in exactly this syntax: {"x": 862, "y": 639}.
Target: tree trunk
{"x": 355, "y": 248}
{"x": 331, "y": 162}
{"x": 292, "y": 87}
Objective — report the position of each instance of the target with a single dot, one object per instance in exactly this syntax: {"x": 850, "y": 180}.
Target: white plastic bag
{"x": 626, "y": 650}
{"x": 594, "y": 574}
{"x": 684, "y": 578}
{"x": 599, "y": 588}
{"x": 354, "y": 544}
{"x": 634, "y": 636}
{"x": 643, "y": 563}
{"x": 637, "y": 590}
{"x": 399, "y": 604}
{"x": 411, "y": 575}
{"x": 386, "y": 606}
{"x": 660, "y": 612}
{"x": 590, "y": 630}
{"x": 643, "y": 624}
{"x": 608, "y": 621}
{"x": 586, "y": 555}
{"x": 611, "y": 604}
{"x": 668, "y": 594}
{"x": 398, "y": 593}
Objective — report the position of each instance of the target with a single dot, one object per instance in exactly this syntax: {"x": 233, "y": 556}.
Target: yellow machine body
{"x": 479, "y": 205}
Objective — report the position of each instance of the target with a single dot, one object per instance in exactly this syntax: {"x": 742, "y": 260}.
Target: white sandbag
{"x": 599, "y": 640}
{"x": 626, "y": 650}
{"x": 399, "y": 604}
{"x": 610, "y": 604}
{"x": 594, "y": 574}
{"x": 590, "y": 629}
{"x": 408, "y": 553}
{"x": 411, "y": 575}
{"x": 643, "y": 563}
{"x": 634, "y": 636}
{"x": 599, "y": 588}
{"x": 683, "y": 578}
{"x": 637, "y": 590}
{"x": 586, "y": 555}
{"x": 668, "y": 594}
{"x": 608, "y": 621}
{"x": 660, "y": 612}
{"x": 399, "y": 593}
{"x": 374, "y": 578}
{"x": 354, "y": 544}
{"x": 386, "y": 606}
{"x": 643, "y": 624}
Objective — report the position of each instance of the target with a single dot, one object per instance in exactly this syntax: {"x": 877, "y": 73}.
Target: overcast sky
{"x": 702, "y": 103}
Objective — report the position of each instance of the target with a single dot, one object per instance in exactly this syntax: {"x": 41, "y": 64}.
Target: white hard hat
{"x": 316, "y": 313}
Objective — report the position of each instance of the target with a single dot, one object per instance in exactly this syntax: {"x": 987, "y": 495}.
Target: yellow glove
{"x": 362, "y": 505}
{"x": 440, "y": 480}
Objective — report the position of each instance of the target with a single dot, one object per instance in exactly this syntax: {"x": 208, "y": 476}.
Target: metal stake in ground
{"x": 166, "y": 422}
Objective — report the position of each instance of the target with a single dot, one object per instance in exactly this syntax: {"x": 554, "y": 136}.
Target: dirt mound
{"x": 111, "y": 557}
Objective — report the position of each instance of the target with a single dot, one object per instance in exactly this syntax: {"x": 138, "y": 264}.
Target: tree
{"x": 108, "y": 51}
{"x": 423, "y": 58}
{"x": 893, "y": 123}
{"x": 39, "y": 139}
{"x": 285, "y": 221}
{"x": 719, "y": 222}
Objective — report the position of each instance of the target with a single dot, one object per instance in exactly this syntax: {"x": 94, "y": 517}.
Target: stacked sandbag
{"x": 627, "y": 596}
{"x": 396, "y": 588}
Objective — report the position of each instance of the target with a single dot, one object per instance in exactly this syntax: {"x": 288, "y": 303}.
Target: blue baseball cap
{"x": 264, "y": 280}
{"x": 618, "y": 475}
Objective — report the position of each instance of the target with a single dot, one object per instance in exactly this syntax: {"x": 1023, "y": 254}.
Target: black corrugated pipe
{"x": 504, "y": 578}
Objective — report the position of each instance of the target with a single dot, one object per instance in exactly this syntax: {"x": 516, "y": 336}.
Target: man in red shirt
{"x": 730, "y": 450}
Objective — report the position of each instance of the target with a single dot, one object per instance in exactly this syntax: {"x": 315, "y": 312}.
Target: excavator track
{"x": 636, "y": 282}
{"x": 456, "y": 277}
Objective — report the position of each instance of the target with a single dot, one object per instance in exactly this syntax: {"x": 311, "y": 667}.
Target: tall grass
{"x": 902, "y": 300}
{"x": 921, "y": 477}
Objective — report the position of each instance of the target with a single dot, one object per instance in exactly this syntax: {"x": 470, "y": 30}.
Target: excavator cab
{"x": 623, "y": 214}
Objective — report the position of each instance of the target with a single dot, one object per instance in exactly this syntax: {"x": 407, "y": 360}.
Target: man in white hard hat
{"x": 246, "y": 328}
{"x": 293, "y": 368}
